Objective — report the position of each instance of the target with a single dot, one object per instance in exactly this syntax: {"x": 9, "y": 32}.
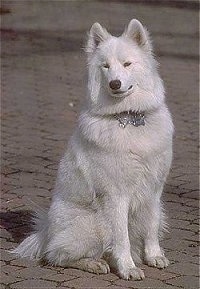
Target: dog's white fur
{"x": 106, "y": 208}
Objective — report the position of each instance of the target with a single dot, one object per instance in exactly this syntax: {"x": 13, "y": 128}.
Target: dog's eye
{"x": 128, "y": 63}
{"x": 106, "y": 65}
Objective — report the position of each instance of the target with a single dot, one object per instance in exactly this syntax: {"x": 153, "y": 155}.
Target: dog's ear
{"x": 139, "y": 34}
{"x": 96, "y": 35}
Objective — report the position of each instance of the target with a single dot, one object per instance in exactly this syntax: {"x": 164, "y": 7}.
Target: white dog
{"x": 106, "y": 211}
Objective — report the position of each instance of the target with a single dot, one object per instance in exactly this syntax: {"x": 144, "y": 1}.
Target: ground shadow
{"x": 18, "y": 223}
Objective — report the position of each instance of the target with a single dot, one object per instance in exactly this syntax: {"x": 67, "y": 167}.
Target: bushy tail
{"x": 30, "y": 247}
{"x": 33, "y": 246}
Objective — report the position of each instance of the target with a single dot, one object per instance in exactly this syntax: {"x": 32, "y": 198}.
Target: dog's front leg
{"x": 154, "y": 255}
{"x": 121, "y": 255}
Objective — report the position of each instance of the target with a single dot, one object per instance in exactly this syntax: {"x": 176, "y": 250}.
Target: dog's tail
{"x": 34, "y": 246}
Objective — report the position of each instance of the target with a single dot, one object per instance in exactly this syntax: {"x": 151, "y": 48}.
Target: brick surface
{"x": 189, "y": 282}
{"x": 146, "y": 283}
{"x": 34, "y": 284}
{"x": 43, "y": 83}
{"x": 185, "y": 268}
{"x": 87, "y": 283}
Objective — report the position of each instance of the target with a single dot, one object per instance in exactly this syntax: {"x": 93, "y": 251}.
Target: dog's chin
{"x": 121, "y": 94}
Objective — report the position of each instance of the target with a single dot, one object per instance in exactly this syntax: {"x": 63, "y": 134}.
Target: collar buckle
{"x": 131, "y": 117}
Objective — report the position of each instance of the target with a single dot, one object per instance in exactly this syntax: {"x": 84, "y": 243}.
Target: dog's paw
{"x": 102, "y": 267}
{"x": 133, "y": 273}
{"x": 97, "y": 267}
{"x": 158, "y": 262}
{"x": 91, "y": 265}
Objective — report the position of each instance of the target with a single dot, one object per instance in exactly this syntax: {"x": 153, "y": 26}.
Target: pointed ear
{"x": 139, "y": 34}
{"x": 96, "y": 35}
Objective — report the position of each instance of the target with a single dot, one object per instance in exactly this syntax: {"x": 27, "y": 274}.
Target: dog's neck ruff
{"x": 135, "y": 118}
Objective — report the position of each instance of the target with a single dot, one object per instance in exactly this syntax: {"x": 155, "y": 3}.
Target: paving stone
{"x": 10, "y": 269}
{"x": 34, "y": 284}
{"x": 154, "y": 273}
{"x": 35, "y": 273}
{"x": 180, "y": 215}
{"x": 8, "y": 278}
{"x": 107, "y": 277}
{"x": 145, "y": 283}
{"x": 5, "y": 234}
{"x": 192, "y": 195}
{"x": 2, "y": 263}
{"x": 164, "y": 286}
{"x": 15, "y": 203}
{"x": 78, "y": 273}
{"x": 115, "y": 287}
{"x": 192, "y": 203}
{"x": 185, "y": 268}
{"x": 189, "y": 282}
{"x": 182, "y": 233}
{"x": 86, "y": 283}
{"x": 24, "y": 262}
{"x": 195, "y": 212}
{"x": 30, "y": 192}
{"x": 182, "y": 257}
{"x": 180, "y": 224}
{"x": 180, "y": 245}
{"x": 59, "y": 277}
{"x": 194, "y": 225}
{"x": 5, "y": 255}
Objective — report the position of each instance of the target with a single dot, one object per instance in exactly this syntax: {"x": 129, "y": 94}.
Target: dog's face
{"x": 119, "y": 66}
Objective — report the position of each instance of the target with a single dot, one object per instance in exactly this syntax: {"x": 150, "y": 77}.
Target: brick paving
{"x": 43, "y": 83}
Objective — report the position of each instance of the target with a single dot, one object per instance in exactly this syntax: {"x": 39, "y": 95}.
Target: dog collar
{"x": 131, "y": 117}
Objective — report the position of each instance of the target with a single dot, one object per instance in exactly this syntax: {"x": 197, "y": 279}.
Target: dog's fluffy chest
{"x": 114, "y": 171}
{"x": 143, "y": 141}
{"x": 125, "y": 158}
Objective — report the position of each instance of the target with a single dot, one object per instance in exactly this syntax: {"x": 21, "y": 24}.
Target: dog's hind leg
{"x": 79, "y": 246}
{"x": 99, "y": 266}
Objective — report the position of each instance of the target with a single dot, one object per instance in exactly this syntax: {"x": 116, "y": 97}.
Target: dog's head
{"x": 122, "y": 70}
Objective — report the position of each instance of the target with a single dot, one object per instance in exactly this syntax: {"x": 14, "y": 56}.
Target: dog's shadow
{"x": 18, "y": 224}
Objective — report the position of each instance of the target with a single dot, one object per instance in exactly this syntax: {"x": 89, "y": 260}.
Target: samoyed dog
{"x": 106, "y": 209}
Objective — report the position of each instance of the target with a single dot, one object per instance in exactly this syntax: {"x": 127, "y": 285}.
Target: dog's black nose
{"x": 115, "y": 84}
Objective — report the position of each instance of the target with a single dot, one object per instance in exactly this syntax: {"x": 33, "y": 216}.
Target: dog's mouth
{"x": 122, "y": 93}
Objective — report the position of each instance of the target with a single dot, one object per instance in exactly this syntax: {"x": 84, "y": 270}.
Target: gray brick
{"x": 154, "y": 273}
{"x": 35, "y": 273}
{"x": 34, "y": 284}
{"x": 86, "y": 283}
{"x": 146, "y": 283}
{"x": 182, "y": 257}
{"x": 189, "y": 282}
{"x": 185, "y": 268}
{"x": 7, "y": 278}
